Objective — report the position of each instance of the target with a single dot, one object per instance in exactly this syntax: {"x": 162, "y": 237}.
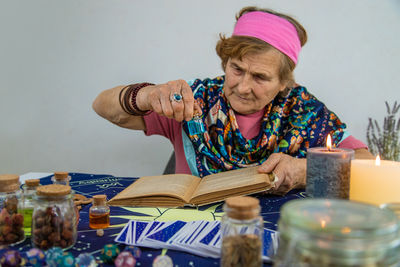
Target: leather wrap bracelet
{"x": 127, "y": 99}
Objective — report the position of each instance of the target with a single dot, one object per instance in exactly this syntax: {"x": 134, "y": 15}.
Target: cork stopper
{"x": 60, "y": 175}
{"x": 9, "y": 182}
{"x": 242, "y": 208}
{"x": 99, "y": 200}
{"x": 32, "y": 182}
{"x": 53, "y": 190}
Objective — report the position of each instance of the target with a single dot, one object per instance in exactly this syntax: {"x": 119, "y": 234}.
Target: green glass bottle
{"x": 29, "y": 189}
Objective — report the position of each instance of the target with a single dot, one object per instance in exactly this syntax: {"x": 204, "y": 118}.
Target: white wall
{"x": 56, "y": 56}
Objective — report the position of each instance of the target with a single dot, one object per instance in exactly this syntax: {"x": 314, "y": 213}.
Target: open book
{"x": 175, "y": 190}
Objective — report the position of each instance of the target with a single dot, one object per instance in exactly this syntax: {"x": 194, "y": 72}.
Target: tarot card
{"x": 164, "y": 234}
{"x": 123, "y": 235}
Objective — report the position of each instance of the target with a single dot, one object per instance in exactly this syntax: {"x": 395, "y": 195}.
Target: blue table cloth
{"x": 87, "y": 241}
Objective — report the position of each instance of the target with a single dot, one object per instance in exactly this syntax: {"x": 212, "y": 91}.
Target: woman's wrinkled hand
{"x": 290, "y": 172}
{"x": 160, "y": 99}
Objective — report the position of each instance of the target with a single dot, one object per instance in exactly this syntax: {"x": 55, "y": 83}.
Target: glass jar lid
{"x": 32, "y": 182}
{"x": 9, "y": 183}
{"x": 53, "y": 190}
{"x": 60, "y": 175}
{"x": 99, "y": 200}
{"x": 345, "y": 219}
{"x": 242, "y": 207}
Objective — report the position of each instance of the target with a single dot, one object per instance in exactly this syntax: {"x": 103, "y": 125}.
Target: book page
{"x": 179, "y": 186}
{"x": 240, "y": 181}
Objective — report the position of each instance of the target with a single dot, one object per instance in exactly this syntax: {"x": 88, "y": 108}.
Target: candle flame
{"x": 346, "y": 230}
{"x": 377, "y": 161}
{"x": 329, "y": 142}
{"x": 323, "y": 223}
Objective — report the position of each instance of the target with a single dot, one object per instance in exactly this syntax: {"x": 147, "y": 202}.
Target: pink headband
{"x": 272, "y": 29}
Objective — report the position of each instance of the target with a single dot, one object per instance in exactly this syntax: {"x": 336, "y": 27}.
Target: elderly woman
{"x": 253, "y": 115}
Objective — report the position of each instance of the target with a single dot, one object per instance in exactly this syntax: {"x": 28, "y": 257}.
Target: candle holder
{"x": 328, "y": 172}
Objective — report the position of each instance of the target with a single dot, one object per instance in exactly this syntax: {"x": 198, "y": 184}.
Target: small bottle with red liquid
{"x": 99, "y": 213}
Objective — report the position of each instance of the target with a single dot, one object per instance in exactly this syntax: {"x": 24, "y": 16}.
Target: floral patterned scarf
{"x": 290, "y": 125}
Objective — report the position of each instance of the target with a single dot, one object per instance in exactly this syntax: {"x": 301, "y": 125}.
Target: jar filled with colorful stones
{"x": 11, "y": 205}
{"x": 54, "y": 218}
{"x": 334, "y": 232}
{"x": 242, "y": 233}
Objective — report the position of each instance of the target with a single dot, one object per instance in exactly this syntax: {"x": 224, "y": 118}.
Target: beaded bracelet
{"x": 128, "y": 101}
{"x": 120, "y": 99}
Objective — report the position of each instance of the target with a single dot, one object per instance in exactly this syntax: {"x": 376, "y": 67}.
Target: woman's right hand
{"x": 159, "y": 98}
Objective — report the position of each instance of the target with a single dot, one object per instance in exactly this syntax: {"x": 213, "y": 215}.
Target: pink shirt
{"x": 249, "y": 126}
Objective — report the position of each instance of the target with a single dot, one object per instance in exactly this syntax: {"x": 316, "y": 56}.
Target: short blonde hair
{"x": 240, "y": 46}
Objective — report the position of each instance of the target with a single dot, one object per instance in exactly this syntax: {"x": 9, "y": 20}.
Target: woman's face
{"x": 253, "y": 82}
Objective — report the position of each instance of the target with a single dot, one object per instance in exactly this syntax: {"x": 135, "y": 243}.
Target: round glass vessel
{"x": 242, "y": 233}
{"x": 54, "y": 217}
{"x": 394, "y": 207}
{"x": 11, "y": 205}
{"x": 322, "y": 232}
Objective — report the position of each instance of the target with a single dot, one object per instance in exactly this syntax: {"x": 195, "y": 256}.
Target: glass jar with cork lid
{"x": 61, "y": 178}
{"x": 11, "y": 205}
{"x": 242, "y": 232}
{"x": 322, "y": 232}
{"x": 54, "y": 218}
{"x": 99, "y": 213}
{"x": 29, "y": 189}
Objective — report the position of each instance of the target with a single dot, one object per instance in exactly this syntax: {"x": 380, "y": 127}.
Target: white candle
{"x": 375, "y": 184}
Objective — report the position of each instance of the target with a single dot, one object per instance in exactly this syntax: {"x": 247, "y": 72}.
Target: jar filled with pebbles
{"x": 11, "y": 205}
{"x": 242, "y": 233}
{"x": 54, "y": 218}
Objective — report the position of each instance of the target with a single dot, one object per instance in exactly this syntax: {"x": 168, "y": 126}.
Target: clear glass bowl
{"x": 322, "y": 232}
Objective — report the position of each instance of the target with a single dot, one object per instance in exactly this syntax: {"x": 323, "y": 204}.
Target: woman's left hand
{"x": 290, "y": 172}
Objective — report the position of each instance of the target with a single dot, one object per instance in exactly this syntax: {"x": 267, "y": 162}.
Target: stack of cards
{"x": 201, "y": 238}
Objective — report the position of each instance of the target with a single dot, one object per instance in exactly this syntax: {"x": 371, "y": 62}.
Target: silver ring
{"x": 176, "y": 97}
